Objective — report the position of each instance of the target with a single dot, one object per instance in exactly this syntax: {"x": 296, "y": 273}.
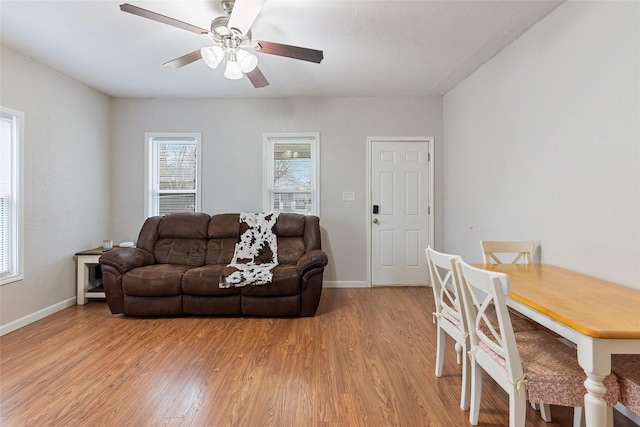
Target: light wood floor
{"x": 366, "y": 359}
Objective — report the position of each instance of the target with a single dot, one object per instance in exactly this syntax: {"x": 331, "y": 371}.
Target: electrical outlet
{"x": 348, "y": 196}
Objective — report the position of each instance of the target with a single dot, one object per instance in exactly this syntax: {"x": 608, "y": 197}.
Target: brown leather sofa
{"x": 176, "y": 265}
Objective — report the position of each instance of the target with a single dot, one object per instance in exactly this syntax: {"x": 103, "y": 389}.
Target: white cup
{"x": 107, "y": 244}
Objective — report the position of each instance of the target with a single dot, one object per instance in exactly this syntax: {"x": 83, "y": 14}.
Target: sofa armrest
{"x": 312, "y": 259}
{"x": 125, "y": 259}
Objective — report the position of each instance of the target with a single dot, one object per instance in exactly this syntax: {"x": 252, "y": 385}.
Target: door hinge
{"x": 428, "y": 210}
{"x": 428, "y": 157}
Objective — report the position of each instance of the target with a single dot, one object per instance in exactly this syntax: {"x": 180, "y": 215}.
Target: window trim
{"x": 150, "y": 208}
{"x": 17, "y": 191}
{"x": 267, "y": 162}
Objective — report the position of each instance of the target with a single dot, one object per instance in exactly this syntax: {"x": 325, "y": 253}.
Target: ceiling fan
{"x": 232, "y": 35}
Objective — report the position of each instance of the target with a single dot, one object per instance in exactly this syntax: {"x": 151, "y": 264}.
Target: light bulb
{"x": 247, "y": 61}
{"x": 212, "y": 56}
{"x": 233, "y": 71}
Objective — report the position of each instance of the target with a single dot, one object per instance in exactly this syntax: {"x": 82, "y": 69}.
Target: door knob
{"x": 375, "y": 221}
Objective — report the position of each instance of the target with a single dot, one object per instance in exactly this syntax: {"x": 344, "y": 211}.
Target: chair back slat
{"x": 522, "y": 250}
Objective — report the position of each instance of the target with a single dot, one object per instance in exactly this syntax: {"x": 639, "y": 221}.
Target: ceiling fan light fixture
{"x": 231, "y": 33}
{"x": 232, "y": 70}
{"x": 212, "y": 56}
{"x": 247, "y": 61}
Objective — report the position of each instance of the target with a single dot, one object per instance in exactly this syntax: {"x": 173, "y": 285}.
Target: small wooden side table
{"x": 86, "y": 260}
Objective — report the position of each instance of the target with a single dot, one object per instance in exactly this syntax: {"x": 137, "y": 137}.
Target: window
{"x": 173, "y": 173}
{"x": 11, "y": 126}
{"x": 291, "y": 181}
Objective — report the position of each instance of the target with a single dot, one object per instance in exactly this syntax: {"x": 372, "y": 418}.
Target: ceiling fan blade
{"x": 243, "y": 15}
{"x": 184, "y": 59}
{"x": 257, "y": 78}
{"x": 126, "y": 7}
{"x": 295, "y": 52}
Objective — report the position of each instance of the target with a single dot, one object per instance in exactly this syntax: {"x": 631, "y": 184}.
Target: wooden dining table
{"x": 602, "y": 318}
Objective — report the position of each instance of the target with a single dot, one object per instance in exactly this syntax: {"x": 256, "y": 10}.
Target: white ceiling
{"x": 371, "y": 47}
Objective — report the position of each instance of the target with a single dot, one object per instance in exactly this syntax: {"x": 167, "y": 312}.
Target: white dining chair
{"x": 530, "y": 365}
{"x": 518, "y": 251}
{"x": 494, "y": 251}
{"x": 449, "y": 316}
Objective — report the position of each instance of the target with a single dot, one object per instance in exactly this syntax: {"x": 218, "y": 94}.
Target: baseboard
{"x": 402, "y": 285}
{"x": 345, "y": 284}
{"x": 40, "y": 314}
{"x": 355, "y": 284}
{"x": 627, "y": 413}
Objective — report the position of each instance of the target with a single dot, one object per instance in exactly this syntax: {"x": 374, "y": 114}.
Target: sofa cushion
{"x": 290, "y": 225}
{"x": 205, "y": 280}
{"x": 182, "y": 239}
{"x": 154, "y": 280}
{"x": 286, "y": 281}
{"x": 290, "y": 230}
{"x": 185, "y": 225}
{"x": 220, "y": 251}
{"x": 190, "y": 252}
{"x": 224, "y": 225}
{"x": 290, "y": 249}
{"x": 223, "y": 235}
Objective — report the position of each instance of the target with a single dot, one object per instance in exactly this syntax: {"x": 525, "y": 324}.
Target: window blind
{"x": 171, "y": 203}
{"x": 177, "y": 164}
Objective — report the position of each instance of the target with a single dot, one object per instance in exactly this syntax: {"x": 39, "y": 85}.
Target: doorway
{"x": 400, "y": 209}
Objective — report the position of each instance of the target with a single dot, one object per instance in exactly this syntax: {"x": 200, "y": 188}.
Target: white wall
{"x": 542, "y": 142}
{"x": 232, "y": 157}
{"x": 66, "y": 183}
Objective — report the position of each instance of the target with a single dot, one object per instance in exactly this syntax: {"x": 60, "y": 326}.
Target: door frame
{"x": 430, "y": 225}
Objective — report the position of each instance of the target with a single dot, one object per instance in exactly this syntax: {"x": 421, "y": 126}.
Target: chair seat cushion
{"x": 552, "y": 374}
{"x": 154, "y": 280}
{"x": 451, "y": 317}
{"x": 627, "y": 368}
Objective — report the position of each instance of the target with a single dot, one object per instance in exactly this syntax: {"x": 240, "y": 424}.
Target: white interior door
{"x": 400, "y": 189}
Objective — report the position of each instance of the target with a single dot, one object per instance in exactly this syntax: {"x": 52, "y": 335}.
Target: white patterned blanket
{"x": 255, "y": 254}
